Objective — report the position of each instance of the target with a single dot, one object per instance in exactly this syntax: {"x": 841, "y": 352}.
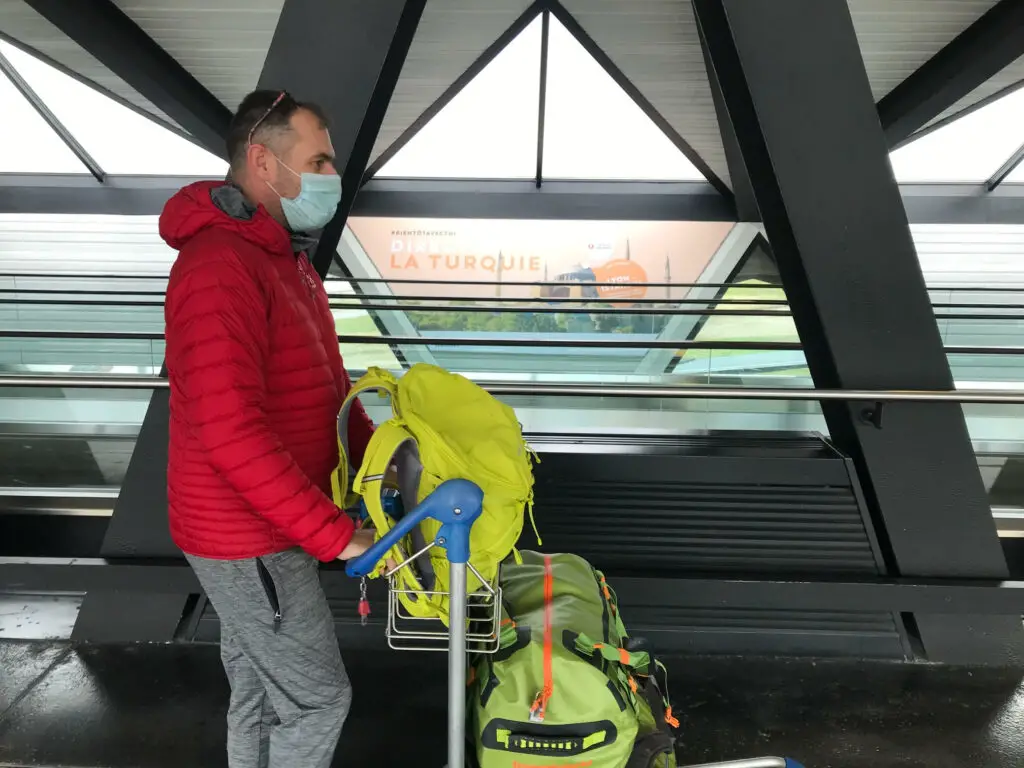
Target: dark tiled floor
{"x": 142, "y": 706}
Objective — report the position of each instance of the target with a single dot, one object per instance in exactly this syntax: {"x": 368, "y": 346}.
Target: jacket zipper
{"x": 271, "y": 591}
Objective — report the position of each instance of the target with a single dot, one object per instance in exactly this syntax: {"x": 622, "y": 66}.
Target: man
{"x": 256, "y": 381}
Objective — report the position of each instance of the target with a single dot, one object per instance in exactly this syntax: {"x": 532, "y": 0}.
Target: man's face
{"x": 306, "y": 149}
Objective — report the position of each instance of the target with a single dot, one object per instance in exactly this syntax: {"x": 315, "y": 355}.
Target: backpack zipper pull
{"x": 364, "y": 604}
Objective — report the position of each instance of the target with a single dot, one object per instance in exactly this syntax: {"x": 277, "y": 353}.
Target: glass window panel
{"x": 352, "y": 321}
{"x": 967, "y": 150}
{"x": 118, "y": 138}
{"x": 27, "y": 143}
{"x": 753, "y": 280}
{"x": 489, "y": 130}
{"x": 594, "y": 130}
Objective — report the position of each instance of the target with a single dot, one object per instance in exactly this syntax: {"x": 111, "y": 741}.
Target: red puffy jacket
{"x": 256, "y": 381}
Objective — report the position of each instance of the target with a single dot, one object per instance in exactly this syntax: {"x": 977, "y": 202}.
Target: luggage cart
{"x": 456, "y": 504}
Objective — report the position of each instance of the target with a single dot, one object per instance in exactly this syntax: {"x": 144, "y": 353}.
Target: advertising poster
{"x": 604, "y": 261}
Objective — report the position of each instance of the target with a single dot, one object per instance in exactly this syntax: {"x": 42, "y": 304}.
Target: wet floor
{"x": 159, "y": 705}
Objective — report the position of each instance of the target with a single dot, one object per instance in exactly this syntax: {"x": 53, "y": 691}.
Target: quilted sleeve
{"x": 217, "y": 324}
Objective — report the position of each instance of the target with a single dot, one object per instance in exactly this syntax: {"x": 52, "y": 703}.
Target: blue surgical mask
{"x": 316, "y": 203}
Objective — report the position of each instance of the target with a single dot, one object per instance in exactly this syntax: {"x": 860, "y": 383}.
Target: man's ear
{"x": 258, "y": 157}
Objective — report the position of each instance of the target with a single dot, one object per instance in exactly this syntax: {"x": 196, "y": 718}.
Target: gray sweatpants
{"x": 290, "y": 693}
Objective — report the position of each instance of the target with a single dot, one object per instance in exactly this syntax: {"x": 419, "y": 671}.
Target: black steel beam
{"x": 138, "y": 525}
{"x": 108, "y": 34}
{"x": 118, "y": 195}
{"x": 931, "y": 596}
{"x": 1006, "y": 169}
{"x": 542, "y": 95}
{"x": 128, "y": 615}
{"x": 743, "y": 193}
{"x": 647, "y": 201}
{"x": 568, "y": 200}
{"x": 345, "y": 55}
{"x": 798, "y": 96}
{"x": 8, "y": 69}
{"x": 974, "y": 56}
{"x": 163, "y": 122}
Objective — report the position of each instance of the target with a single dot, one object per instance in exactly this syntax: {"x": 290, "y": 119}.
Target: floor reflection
{"x": 163, "y": 705}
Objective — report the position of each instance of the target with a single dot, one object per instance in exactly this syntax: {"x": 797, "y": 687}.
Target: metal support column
{"x": 138, "y": 528}
{"x": 746, "y": 202}
{"x": 345, "y": 55}
{"x": 796, "y": 92}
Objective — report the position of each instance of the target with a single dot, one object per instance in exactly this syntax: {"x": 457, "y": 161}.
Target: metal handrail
{"x": 492, "y": 299}
{"x": 397, "y": 281}
{"x": 57, "y": 492}
{"x": 525, "y": 304}
{"x": 452, "y": 341}
{"x": 506, "y": 306}
{"x": 552, "y": 342}
{"x": 540, "y": 389}
{"x": 427, "y": 281}
{"x": 671, "y": 308}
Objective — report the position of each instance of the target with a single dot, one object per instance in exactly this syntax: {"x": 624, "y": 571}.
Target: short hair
{"x": 262, "y": 118}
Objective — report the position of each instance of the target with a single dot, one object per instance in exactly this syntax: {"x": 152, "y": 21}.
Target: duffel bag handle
{"x": 636, "y": 660}
{"x": 545, "y": 741}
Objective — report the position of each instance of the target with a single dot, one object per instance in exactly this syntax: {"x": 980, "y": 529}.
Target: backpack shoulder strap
{"x": 375, "y": 379}
{"x": 386, "y": 385}
{"x": 393, "y": 444}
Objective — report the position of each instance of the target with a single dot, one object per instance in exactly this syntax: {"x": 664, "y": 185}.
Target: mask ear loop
{"x": 286, "y": 166}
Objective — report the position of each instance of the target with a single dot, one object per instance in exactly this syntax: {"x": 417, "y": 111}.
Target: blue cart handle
{"x": 456, "y": 504}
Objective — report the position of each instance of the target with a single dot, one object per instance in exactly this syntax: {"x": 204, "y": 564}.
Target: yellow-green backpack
{"x": 443, "y": 426}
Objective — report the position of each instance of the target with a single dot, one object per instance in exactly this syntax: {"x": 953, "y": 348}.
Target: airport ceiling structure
{"x": 497, "y": 109}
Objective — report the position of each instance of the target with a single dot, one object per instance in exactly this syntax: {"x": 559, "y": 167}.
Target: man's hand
{"x": 361, "y": 541}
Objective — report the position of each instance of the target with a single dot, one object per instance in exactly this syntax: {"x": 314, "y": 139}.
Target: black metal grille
{"x": 683, "y": 527}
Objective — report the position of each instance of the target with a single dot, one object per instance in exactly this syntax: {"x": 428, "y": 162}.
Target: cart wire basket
{"x": 406, "y": 632}
{"x": 474, "y": 620}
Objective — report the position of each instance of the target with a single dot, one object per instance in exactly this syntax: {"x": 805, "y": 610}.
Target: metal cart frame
{"x": 457, "y": 504}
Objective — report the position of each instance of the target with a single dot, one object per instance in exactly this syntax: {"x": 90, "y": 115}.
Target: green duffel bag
{"x": 568, "y": 687}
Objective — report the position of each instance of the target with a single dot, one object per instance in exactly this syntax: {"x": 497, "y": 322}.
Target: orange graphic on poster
{"x": 621, "y": 279}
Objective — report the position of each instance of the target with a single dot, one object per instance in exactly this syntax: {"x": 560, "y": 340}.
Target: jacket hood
{"x": 217, "y": 204}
